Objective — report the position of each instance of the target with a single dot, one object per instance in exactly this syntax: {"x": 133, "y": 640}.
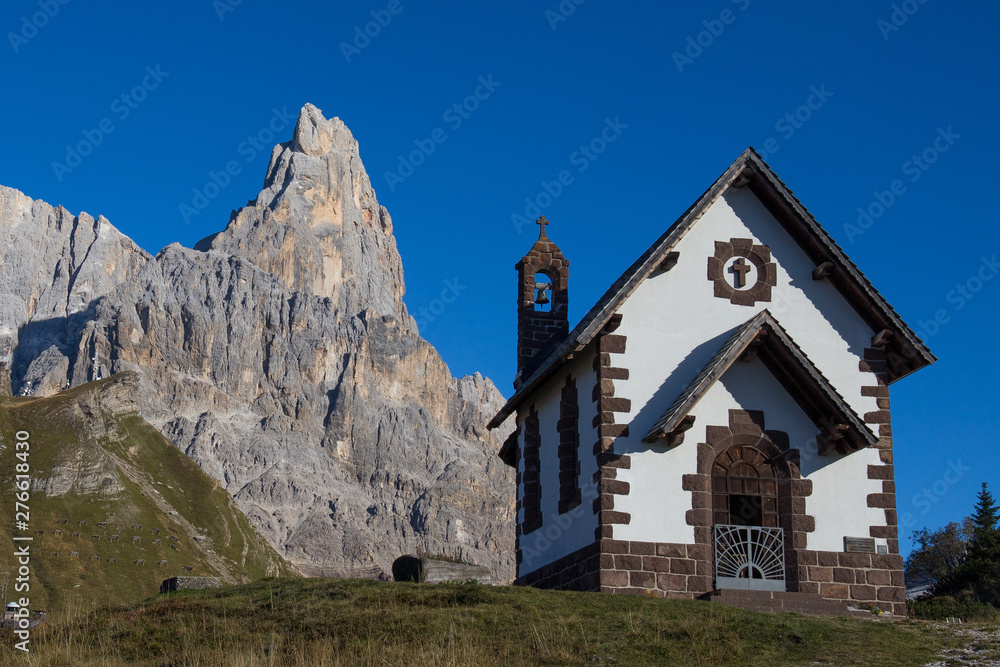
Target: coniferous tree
{"x": 978, "y": 577}
{"x": 985, "y": 543}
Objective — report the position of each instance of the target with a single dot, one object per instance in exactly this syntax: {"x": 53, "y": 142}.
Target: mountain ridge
{"x": 280, "y": 356}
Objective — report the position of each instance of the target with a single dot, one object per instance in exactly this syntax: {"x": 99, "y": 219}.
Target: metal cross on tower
{"x": 542, "y": 222}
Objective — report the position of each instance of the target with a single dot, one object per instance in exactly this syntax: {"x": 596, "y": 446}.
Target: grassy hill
{"x": 356, "y": 622}
{"x": 102, "y": 477}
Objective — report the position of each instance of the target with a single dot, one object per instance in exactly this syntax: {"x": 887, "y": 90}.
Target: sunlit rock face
{"x": 279, "y": 355}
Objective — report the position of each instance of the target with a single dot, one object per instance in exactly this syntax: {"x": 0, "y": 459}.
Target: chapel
{"x": 719, "y": 420}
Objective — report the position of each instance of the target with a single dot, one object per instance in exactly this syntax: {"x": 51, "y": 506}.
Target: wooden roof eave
{"x": 791, "y": 367}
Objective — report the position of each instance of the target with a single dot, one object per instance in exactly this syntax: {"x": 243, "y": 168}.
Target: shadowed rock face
{"x": 279, "y": 355}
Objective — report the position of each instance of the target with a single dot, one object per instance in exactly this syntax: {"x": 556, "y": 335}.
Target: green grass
{"x": 351, "y": 622}
{"x": 103, "y": 614}
{"x": 162, "y": 479}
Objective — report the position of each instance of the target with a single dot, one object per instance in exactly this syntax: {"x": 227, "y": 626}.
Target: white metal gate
{"x": 749, "y": 558}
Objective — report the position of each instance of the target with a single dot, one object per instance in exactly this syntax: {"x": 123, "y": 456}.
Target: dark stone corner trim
{"x": 608, "y": 463}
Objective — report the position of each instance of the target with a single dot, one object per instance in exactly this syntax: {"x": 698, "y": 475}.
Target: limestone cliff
{"x": 279, "y": 355}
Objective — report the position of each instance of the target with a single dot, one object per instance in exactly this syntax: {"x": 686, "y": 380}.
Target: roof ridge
{"x": 879, "y": 314}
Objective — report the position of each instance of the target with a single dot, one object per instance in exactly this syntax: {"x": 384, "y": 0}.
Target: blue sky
{"x": 885, "y": 80}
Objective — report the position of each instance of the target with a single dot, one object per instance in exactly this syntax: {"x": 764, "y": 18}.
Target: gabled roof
{"x": 764, "y": 338}
{"x": 906, "y": 351}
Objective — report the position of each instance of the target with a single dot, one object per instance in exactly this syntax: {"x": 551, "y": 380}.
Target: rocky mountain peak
{"x": 279, "y": 356}
{"x": 317, "y": 225}
{"x": 315, "y": 135}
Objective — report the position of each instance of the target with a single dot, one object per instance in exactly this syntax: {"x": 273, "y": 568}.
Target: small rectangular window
{"x": 569, "y": 447}
{"x": 531, "y": 479}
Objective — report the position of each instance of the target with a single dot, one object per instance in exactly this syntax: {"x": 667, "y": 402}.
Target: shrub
{"x": 941, "y": 607}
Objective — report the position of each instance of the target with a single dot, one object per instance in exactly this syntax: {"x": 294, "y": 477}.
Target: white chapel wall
{"x": 675, "y": 324}
{"x": 561, "y": 535}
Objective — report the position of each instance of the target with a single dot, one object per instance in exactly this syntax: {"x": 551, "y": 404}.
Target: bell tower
{"x": 542, "y": 302}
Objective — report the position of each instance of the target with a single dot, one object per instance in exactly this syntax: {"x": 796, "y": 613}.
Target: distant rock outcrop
{"x": 426, "y": 570}
{"x": 279, "y": 355}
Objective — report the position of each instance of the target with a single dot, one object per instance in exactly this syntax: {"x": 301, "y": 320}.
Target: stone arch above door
{"x": 745, "y": 488}
{"x": 746, "y": 428}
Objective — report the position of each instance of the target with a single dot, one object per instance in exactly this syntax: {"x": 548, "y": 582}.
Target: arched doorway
{"x": 749, "y": 543}
{"x": 744, "y": 488}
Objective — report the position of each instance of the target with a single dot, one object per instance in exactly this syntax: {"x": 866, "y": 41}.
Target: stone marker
{"x": 431, "y": 571}
{"x": 189, "y": 584}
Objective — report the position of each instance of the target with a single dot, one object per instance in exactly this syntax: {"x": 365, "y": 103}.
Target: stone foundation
{"x": 874, "y": 578}
{"x": 579, "y": 571}
{"x": 666, "y": 569}
{"x": 686, "y": 571}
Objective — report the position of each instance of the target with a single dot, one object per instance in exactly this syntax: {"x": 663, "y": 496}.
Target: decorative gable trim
{"x": 905, "y": 355}
{"x": 759, "y": 255}
{"x": 761, "y": 336}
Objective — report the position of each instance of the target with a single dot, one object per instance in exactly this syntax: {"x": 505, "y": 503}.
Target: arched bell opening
{"x": 542, "y": 301}
{"x": 543, "y": 293}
